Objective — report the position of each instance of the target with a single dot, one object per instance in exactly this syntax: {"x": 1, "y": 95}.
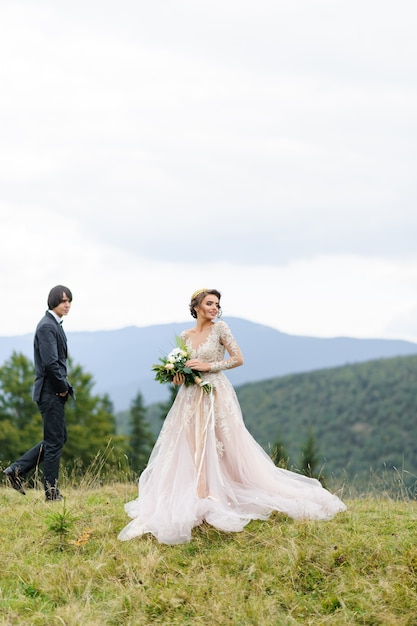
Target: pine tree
{"x": 91, "y": 423}
{"x": 279, "y": 454}
{"x": 310, "y": 458}
{"x": 20, "y": 420}
{"x": 141, "y": 440}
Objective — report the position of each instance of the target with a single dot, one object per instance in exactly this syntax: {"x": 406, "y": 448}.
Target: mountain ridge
{"x": 120, "y": 360}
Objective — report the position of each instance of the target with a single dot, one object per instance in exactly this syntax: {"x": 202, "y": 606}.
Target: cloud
{"x": 326, "y": 295}
{"x": 240, "y": 143}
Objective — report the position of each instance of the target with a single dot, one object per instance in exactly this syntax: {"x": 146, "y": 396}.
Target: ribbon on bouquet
{"x": 201, "y": 430}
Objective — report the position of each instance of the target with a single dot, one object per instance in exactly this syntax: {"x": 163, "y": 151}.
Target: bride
{"x": 205, "y": 465}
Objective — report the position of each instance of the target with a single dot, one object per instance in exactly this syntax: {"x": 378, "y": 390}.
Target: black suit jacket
{"x": 50, "y": 356}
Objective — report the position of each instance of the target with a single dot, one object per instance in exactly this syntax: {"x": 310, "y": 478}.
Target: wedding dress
{"x": 206, "y": 465}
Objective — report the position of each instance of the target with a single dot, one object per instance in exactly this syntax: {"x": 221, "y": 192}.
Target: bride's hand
{"x": 178, "y": 379}
{"x": 200, "y": 366}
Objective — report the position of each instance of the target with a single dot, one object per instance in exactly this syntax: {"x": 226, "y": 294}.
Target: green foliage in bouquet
{"x": 175, "y": 363}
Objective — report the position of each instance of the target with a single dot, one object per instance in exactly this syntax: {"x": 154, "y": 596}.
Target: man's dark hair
{"x": 56, "y": 294}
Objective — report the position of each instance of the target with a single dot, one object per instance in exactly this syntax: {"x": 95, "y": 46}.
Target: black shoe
{"x": 15, "y": 480}
{"x": 51, "y": 495}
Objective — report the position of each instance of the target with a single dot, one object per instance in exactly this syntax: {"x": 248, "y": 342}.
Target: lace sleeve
{"x": 228, "y": 341}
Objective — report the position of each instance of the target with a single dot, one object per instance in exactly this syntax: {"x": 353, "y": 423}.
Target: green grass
{"x": 62, "y": 564}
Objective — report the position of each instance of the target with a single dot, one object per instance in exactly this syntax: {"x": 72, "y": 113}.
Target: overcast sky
{"x": 267, "y": 149}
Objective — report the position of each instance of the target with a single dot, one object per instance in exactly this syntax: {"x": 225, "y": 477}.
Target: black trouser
{"x": 52, "y": 408}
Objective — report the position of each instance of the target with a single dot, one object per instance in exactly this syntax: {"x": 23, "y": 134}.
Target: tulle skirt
{"x": 206, "y": 466}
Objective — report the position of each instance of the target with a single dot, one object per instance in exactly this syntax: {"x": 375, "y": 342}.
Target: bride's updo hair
{"x": 198, "y": 297}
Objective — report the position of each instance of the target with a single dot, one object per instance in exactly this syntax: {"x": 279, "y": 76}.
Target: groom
{"x": 50, "y": 392}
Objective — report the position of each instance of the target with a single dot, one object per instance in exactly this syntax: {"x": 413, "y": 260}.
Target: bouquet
{"x": 174, "y": 363}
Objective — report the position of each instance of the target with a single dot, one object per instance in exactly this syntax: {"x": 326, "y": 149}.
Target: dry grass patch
{"x": 360, "y": 568}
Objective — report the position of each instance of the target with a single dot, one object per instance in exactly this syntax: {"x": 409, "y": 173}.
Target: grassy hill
{"x": 63, "y": 564}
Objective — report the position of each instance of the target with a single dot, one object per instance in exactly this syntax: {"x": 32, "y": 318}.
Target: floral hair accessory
{"x": 197, "y": 293}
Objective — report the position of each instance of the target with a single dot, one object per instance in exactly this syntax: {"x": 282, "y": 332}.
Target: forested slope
{"x": 362, "y": 415}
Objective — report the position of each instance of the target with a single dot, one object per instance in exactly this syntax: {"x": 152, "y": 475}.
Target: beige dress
{"x": 206, "y": 465}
